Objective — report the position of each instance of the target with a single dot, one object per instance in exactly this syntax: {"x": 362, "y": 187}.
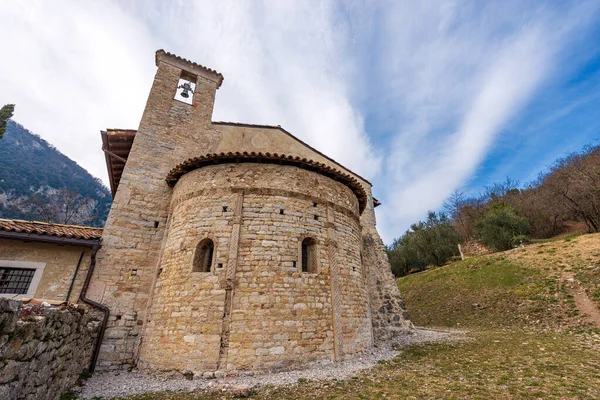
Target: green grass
{"x": 480, "y": 292}
{"x": 492, "y": 365}
{"x": 519, "y": 288}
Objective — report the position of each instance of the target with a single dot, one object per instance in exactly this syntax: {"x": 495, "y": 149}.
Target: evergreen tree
{"x": 501, "y": 228}
{"x": 430, "y": 242}
{"x": 6, "y": 113}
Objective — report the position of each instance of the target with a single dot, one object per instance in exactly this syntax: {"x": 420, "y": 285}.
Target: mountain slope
{"x": 30, "y": 166}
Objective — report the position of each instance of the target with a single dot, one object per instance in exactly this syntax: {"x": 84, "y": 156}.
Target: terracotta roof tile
{"x": 273, "y": 158}
{"x": 57, "y": 230}
{"x": 191, "y": 64}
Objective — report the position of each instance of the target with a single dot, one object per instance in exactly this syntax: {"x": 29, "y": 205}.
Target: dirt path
{"x": 586, "y": 306}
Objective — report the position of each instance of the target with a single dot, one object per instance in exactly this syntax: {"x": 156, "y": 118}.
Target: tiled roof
{"x": 191, "y": 64}
{"x": 57, "y": 230}
{"x": 273, "y": 158}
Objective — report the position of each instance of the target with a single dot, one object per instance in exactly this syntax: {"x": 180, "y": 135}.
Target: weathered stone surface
{"x": 44, "y": 354}
{"x": 255, "y": 309}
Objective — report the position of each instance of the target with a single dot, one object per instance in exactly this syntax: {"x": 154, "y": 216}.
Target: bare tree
{"x": 454, "y": 206}
{"x": 575, "y": 182}
{"x": 64, "y": 207}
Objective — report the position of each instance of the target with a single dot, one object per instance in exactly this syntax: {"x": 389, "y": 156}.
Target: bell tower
{"x": 175, "y": 126}
{"x": 183, "y": 91}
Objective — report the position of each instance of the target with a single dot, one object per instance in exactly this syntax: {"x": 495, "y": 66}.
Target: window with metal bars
{"x": 15, "y": 280}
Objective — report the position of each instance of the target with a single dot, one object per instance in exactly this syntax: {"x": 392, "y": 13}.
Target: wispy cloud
{"x": 458, "y": 90}
{"x": 436, "y": 81}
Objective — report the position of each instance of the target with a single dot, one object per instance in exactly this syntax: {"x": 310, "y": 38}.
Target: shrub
{"x": 501, "y": 228}
{"x": 430, "y": 242}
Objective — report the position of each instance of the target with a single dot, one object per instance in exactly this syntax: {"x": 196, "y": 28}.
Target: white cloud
{"x": 458, "y": 90}
{"x": 71, "y": 74}
{"x": 444, "y": 77}
{"x": 76, "y": 68}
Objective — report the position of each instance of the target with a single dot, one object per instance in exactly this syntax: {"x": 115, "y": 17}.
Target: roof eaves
{"x": 109, "y": 166}
{"x": 192, "y": 66}
{"x": 14, "y": 228}
{"x": 237, "y": 157}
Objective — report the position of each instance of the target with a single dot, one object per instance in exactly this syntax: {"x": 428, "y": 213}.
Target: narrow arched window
{"x": 203, "y": 256}
{"x": 309, "y": 255}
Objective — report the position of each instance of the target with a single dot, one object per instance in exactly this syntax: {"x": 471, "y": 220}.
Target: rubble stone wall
{"x": 388, "y": 311}
{"x": 43, "y": 350}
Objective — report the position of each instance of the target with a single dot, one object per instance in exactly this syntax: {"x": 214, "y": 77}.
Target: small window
{"x": 309, "y": 255}
{"x": 15, "y": 280}
{"x": 203, "y": 256}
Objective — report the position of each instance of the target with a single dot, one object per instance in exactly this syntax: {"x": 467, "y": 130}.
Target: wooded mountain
{"x": 38, "y": 182}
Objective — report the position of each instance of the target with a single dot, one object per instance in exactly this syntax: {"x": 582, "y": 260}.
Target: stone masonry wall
{"x": 129, "y": 262}
{"x": 280, "y": 317}
{"x": 43, "y": 350}
{"x": 169, "y": 132}
{"x": 388, "y": 311}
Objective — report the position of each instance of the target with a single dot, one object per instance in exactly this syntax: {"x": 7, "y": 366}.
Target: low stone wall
{"x": 43, "y": 349}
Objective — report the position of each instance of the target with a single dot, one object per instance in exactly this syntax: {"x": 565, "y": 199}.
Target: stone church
{"x": 234, "y": 247}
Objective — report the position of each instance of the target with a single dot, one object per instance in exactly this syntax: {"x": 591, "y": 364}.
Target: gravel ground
{"x": 117, "y": 384}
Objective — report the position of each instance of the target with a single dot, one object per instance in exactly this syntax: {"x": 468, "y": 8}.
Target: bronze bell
{"x": 186, "y": 88}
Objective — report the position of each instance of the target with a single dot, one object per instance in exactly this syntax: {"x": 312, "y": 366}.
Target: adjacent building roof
{"x": 44, "y": 232}
{"x": 270, "y": 158}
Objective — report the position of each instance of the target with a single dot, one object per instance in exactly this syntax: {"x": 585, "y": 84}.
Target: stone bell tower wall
{"x": 170, "y": 131}
{"x": 275, "y": 316}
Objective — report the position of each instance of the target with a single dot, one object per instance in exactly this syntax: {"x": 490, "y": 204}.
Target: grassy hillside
{"x": 534, "y": 286}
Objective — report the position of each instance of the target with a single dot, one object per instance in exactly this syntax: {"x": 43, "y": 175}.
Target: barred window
{"x": 15, "y": 280}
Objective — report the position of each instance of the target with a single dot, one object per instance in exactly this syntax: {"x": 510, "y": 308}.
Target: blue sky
{"x": 422, "y": 98}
